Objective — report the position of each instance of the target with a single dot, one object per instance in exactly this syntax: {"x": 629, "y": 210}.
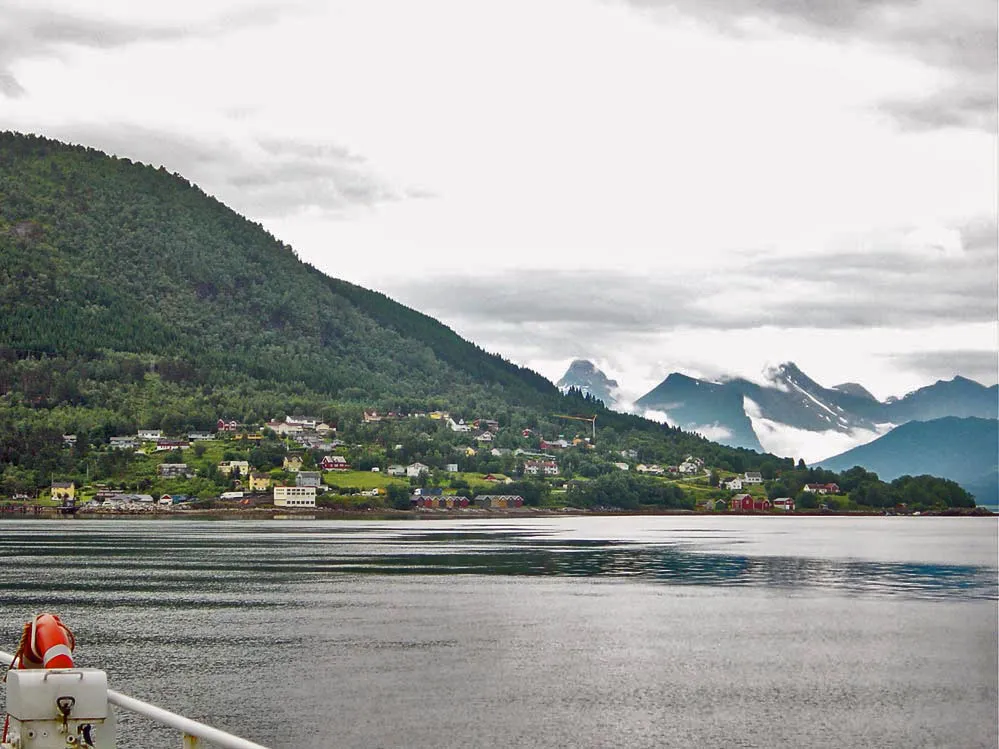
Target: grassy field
{"x": 362, "y": 479}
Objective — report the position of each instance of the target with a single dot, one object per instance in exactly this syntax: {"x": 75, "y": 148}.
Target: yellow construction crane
{"x": 591, "y": 419}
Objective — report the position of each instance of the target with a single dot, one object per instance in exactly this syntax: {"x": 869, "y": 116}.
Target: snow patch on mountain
{"x": 792, "y": 442}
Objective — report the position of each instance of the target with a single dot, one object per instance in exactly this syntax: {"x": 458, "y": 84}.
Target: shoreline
{"x": 281, "y": 513}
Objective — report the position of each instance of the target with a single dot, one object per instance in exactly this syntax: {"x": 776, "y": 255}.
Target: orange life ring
{"x": 47, "y": 643}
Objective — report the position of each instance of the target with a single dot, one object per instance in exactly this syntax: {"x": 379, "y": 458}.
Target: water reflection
{"x": 223, "y": 565}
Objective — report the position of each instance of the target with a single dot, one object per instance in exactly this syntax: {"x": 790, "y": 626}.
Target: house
{"x": 499, "y": 501}
{"x": 334, "y": 463}
{"x": 469, "y": 452}
{"x": 309, "y": 478}
{"x": 733, "y": 484}
{"x": 123, "y": 443}
{"x": 753, "y": 477}
{"x": 689, "y": 467}
{"x": 64, "y": 490}
{"x": 284, "y": 428}
{"x": 150, "y": 434}
{"x": 630, "y": 454}
{"x": 259, "y": 482}
{"x": 174, "y": 470}
{"x": 544, "y": 467}
{"x": 714, "y": 505}
{"x": 305, "y": 422}
{"x": 224, "y": 425}
{"x": 248, "y": 437}
{"x": 371, "y": 417}
{"x": 622, "y": 466}
{"x": 526, "y": 432}
{"x": 459, "y": 426}
{"x": 439, "y": 415}
{"x": 228, "y": 467}
{"x": 292, "y": 462}
{"x": 294, "y": 496}
{"x": 166, "y": 444}
{"x": 415, "y": 469}
{"x": 500, "y": 452}
{"x": 490, "y": 424}
{"x": 653, "y": 469}
{"x": 323, "y": 428}
{"x": 784, "y": 503}
{"x": 822, "y": 488}
{"x": 451, "y": 467}
{"x": 749, "y": 503}
{"x": 484, "y": 438}
{"x": 199, "y": 436}
{"x": 396, "y": 470}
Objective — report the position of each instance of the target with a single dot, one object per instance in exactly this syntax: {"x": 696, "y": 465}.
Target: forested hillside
{"x": 130, "y": 298}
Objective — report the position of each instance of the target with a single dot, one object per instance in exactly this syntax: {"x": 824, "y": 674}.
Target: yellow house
{"x": 438, "y": 415}
{"x": 469, "y": 451}
{"x": 226, "y": 467}
{"x": 63, "y": 490}
{"x": 259, "y": 482}
{"x": 293, "y": 462}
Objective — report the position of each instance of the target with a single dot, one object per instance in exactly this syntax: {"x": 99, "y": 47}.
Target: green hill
{"x": 130, "y": 298}
{"x": 103, "y": 255}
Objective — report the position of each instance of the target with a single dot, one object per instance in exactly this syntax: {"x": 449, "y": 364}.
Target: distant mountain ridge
{"x": 586, "y": 377}
{"x": 789, "y": 413}
{"x": 965, "y": 450}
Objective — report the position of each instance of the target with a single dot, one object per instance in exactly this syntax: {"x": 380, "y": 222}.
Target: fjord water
{"x": 555, "y": 632}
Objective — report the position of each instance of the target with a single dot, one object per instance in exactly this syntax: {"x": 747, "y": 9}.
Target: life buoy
{"x": 46, "y": 643}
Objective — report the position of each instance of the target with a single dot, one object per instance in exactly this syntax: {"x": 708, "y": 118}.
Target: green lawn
{"x": 362, "y": 479}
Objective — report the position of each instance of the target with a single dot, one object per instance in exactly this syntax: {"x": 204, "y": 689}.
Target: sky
{"x": 703, "y": 186}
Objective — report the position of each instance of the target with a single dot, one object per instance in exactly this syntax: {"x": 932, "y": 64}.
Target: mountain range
{"x": 788, "y": 413}
{"x": 964, "y": 450}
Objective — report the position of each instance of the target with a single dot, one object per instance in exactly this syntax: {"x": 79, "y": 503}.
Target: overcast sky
{"x": 694, "y": 185}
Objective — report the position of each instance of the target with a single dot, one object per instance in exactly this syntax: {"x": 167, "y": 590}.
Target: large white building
{"x": 294, "y": 496}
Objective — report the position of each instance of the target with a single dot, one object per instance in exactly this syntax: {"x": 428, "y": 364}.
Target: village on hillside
{"x": 421, "y": 461}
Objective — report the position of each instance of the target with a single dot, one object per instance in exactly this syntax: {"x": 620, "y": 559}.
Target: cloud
{"x": 959, "y": 39}
{"x": 906, "y": 279}
{"x": 982, "y": 366}
{"x": 258, "y": 176}
{"x": 30, "y": 31}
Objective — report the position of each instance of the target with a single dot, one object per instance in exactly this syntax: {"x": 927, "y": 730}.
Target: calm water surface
{"x": 563, "y": 632}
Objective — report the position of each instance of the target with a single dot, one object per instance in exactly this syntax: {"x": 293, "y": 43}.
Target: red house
{"x": 749, "y": 503}
{"x": 226, "y": 426}
{"x": 334, "y": 463}
{"x": 822, "y": 488}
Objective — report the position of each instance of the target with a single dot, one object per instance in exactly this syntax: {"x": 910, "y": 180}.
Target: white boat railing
{"x": 192, "y": 731}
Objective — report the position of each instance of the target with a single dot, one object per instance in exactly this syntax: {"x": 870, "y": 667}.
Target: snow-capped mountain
{"x": 585, "y": 376}
{"x": 790, "y": 414}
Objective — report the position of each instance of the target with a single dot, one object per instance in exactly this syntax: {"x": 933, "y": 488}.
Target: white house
{"x": 396, "y": 470}
{"x": 459, "y": 426}
{"x": 415, "y": 469}
{"x": 123, "y": 443}
{"x": 150, "y": 434}
{"x": 294, "y": 496}
{"x": 546, "y": 467}
{"x": 622, "y": 466}
{"x": 485, "y": 437}
{"x": 451, "y": 468}
{"x": 654, "y": 469}
{"x": 753, "y": 477}
{"x": 733, "y": 484}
